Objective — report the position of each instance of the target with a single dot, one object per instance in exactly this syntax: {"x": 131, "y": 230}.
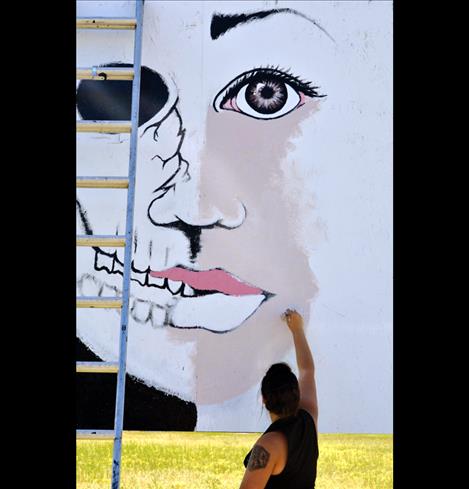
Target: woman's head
{"x": 280, "y": 390}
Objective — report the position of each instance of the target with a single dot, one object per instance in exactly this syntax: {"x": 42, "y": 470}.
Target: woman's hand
{"x": 294, "y": 320}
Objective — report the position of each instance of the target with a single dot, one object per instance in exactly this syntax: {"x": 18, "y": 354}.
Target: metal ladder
{"x": 126, "y": 241}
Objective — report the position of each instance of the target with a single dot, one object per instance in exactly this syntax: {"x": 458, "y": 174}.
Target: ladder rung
{"x": 97, "y": 367}
{"x": 112, "y": 127}
{"x": 110, "y": 241}
{"x": 102, "y": 182}
{"x": 95, "y": 434}
{"x": 100, "y": 302}
{"x": 111, "y": 73}
{"x": 106, "y": 23}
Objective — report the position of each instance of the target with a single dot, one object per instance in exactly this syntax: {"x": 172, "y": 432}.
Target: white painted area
{"x": 105, "y": 8}
{"x": 339, "y": 170}
{"x": 99, "y": 329}
{"x": 241, "y": 414}
{"x": 216, "y": 312}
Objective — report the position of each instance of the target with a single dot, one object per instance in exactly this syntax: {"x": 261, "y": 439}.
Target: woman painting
{"x": 285, "y": 456}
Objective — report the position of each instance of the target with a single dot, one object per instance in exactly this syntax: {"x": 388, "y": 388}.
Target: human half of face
{"x": 218, "y": 250}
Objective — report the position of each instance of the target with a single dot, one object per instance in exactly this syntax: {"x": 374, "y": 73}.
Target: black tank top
{"x": 303, "y": 452}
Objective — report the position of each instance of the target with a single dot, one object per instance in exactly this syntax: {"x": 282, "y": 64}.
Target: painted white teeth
{"x": 140, "y": 277}
{"x": 174, "y": 286}
{"x": 104, "y": 261}
{"x": 158, "y": 281}
{"x": 116, "y": 266}
{"x": 158, "y": 316}
{"x": 141, "y": 311}
{"x": 110, "y": 291}
{"x": 90, "y": 286}
{"x": 120, "y": 253}
{"x": 188, "y": 290}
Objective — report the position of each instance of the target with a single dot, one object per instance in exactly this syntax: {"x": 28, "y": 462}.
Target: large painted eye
{"x": 264, "y": 94}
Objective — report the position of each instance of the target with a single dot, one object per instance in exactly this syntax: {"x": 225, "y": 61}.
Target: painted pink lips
{"x": 216, "y": 280}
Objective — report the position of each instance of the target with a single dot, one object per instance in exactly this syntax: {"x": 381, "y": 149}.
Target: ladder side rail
{"x": 135, "y": 106}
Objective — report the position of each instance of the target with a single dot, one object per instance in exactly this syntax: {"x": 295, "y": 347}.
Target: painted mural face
{"x": 228, "y": 121}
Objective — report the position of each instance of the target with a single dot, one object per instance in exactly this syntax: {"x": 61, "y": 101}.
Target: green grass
{"x": 178, "y": 460}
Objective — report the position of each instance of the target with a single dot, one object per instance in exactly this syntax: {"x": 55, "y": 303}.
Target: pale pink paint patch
{"x": 215, "y": 279}
{"x": 231, "y": 105}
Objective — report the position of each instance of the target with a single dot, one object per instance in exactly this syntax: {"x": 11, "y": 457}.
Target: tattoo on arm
{"x": 259, "y": 458}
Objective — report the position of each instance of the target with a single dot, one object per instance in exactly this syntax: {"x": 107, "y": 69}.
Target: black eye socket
{"x": 111, "y": 100}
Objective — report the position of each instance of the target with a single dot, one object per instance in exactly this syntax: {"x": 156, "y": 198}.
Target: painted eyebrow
{"x": 222, "y": 23}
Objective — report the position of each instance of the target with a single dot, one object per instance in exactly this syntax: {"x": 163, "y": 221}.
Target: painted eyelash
{"x": 284, "y": 75}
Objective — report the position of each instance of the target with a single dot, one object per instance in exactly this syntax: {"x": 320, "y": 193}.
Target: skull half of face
{"x": 168, "y": 288}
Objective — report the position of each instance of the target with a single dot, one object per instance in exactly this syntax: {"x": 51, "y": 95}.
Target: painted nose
{"x": 193, "y": 190}
{"x": 197, "y": 205}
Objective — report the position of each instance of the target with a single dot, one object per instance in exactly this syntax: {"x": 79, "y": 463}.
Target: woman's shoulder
{"x": 275, "y": 445}
{"x": 275, "y": 442}
{"x": 272, "y": 437}
{"x": 270, "y": 445}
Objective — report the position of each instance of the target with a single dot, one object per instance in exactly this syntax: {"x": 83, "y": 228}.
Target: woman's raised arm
{"x": 305, "y": 362}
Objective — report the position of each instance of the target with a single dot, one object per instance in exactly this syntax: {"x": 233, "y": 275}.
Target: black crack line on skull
{"x": 158, "y": 123}
{"x": 181, "y": 135}
{"x": 186, "y": 171}
{"x": 191, "y": 231}
{"x": 181, "y": 132}
{"x": 165, "y": 186}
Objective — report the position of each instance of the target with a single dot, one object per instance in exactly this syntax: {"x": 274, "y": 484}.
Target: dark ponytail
{"x": 280, "y": 390}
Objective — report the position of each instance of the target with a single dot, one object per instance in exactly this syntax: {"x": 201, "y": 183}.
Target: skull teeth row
{"x": 141, "y": 311}
{"x": 111, "y": 264}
